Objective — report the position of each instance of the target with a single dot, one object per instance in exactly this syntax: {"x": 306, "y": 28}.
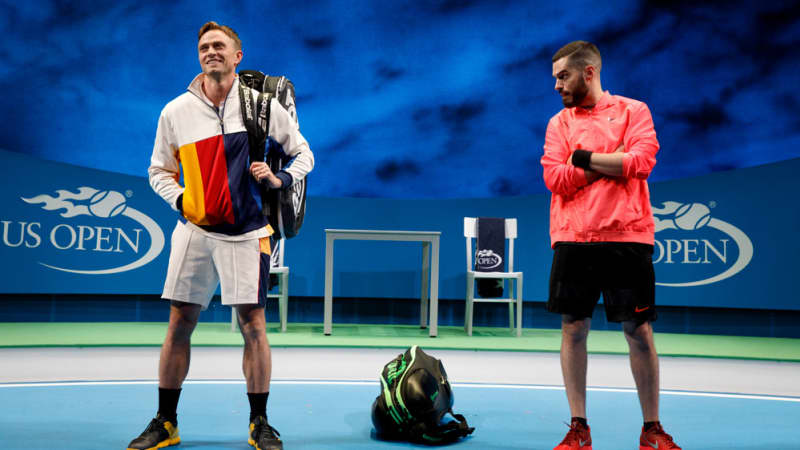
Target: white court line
{"x": 375, "y": 383}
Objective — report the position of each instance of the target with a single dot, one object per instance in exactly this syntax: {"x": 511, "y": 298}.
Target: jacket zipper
{"x": 220, "y": 112}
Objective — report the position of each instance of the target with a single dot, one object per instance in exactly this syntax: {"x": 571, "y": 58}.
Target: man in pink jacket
{"x": 598, "y": 152}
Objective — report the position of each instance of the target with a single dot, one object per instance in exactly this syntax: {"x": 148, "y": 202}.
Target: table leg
{"x": 425, "y": 294}
{"x": 433, "y": 326}
{"x": 328, "y": 306}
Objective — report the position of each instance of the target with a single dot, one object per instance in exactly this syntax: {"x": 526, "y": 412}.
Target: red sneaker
{"x": 578, "y": 438}
{"x": 656, "y": 437}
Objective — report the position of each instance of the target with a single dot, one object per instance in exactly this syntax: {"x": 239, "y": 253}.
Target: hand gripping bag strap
{"x": 290, "y": 201}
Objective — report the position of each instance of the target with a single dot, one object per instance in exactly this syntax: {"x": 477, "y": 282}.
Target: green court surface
{"x": 79, "y": 334}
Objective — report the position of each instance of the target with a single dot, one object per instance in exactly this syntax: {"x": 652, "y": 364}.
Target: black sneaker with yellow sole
{"x": 263, "y": 436}
{"x": 159, "y": 433}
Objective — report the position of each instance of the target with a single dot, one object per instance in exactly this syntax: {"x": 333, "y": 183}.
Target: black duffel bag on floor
{"x": 415, "y": 398}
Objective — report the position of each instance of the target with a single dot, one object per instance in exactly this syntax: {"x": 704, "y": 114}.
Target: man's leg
{"x": 173, "y": 364}
{"x": 257, "y": 359}
{"x": 257, "y": 368}
{"x": 644, "y": 365}
{"x": 574, "y": 333}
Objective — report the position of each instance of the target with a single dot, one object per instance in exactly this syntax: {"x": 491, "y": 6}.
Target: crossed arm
{"x": 600, "y": 164}
{"x": 633, "y": 158}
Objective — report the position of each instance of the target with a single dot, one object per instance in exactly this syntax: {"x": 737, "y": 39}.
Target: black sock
{"x": 168, "y": 403}
{"x": 580, "y": 420}
{"x": 648, "y": 425}
{"x": 258, "y": 404}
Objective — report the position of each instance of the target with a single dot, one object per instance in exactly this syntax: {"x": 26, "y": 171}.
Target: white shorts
{"x": 199, "y": 262}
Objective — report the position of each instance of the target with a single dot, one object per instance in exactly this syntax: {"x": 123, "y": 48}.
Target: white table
{"x": 430, "y": 264}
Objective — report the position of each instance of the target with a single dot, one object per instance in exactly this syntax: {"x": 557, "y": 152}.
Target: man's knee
{"x": 252, "y": 321}
{"x": 183, "y": 318}
{"x": 575, "y": 329}
{"x": 638, "y": 334}
{"x": 637, "y": 330}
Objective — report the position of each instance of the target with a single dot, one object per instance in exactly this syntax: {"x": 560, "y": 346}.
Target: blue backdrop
{"x": 409, "y": 99}
{"x": 724, "y": 239}
{"x": 419, "y": 113}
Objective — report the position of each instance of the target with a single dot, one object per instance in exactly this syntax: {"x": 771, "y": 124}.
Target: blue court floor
{"x": 320, "y": 399}
{"x": 323, "y": 415}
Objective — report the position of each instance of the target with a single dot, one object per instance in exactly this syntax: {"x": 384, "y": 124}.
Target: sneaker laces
{"x": 265, "y": 429}
{"x": 572, "y": 436}
{"x": 155, "y": 424}
{"x": 658, "y": 430}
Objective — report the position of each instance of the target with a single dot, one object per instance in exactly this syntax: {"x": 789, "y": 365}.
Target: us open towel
{"x": 490, "y": 255}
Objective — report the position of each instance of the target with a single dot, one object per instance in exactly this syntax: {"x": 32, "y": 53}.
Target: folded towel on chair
{"x": 490, "y": 252}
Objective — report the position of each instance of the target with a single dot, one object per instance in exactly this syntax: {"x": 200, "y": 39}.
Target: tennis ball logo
{"x": 107, "y": 204}
{"x": 692, "y": 216}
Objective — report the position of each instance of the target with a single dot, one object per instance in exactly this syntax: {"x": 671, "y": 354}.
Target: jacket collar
{"x": 196, "y": 88}
{"x": 606, "y": 100}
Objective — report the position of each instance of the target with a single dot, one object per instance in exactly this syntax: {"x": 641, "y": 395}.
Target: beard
{"x": 576, "y": 96}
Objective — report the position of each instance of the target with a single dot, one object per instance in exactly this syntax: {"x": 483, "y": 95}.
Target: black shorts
{"x": 621, "y": 271}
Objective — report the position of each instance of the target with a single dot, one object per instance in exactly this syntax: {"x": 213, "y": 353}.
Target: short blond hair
{"x": 209, "y": 26}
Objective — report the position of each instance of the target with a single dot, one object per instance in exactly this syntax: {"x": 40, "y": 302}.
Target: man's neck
{"x": 217, "y": 90}
{"x": 592, "y": 98}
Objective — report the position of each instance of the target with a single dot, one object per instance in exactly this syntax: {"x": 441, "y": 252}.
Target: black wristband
{"x": 582, "y": 159}
{"x": 179, "y": 203}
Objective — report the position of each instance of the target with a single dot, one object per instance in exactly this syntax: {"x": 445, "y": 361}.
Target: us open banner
{"x": 726, "y": 240}
{"x": 729, "y": 239}
{"x": 68, "y": 229}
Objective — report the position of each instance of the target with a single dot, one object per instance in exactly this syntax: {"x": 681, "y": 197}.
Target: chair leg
{"x": 466, "y": 305}
{"x": 469, "y": 305}
{"x": 519, "y": 306}
{"x": 511, "y": 304}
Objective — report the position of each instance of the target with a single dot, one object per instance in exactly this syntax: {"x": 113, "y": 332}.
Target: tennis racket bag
{"x": 284, "y": 207}
{"x": 414, "y": 400}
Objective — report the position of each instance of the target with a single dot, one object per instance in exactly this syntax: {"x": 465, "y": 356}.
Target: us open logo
{"x": 693, "y": 248}
{"x": 101, "y": 229}
{"x": 487, "y": 259}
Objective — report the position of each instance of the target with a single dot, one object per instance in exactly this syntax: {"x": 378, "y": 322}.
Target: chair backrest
{"x": 276, "y": 259}
{"x": 471, "y": 232}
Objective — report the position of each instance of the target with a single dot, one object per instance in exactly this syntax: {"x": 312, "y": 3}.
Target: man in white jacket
{"x": 222, "y": 237}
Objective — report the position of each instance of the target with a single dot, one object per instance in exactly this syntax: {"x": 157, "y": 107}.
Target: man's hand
{"x": 592, "y": 176}
{"x": 261, "y": 172}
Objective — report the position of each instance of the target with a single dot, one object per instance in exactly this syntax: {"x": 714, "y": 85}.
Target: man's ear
{"x": 589, "y": 72}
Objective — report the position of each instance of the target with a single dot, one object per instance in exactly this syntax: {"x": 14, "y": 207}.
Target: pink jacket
{"x": 611, "y": 209}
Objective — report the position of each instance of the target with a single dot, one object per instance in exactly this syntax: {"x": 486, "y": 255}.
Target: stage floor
{"x": 100, "y": 398}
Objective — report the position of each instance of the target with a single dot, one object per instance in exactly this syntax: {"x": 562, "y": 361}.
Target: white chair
{"x": 282, "y": 294}
{"x": 514, "y": 292}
